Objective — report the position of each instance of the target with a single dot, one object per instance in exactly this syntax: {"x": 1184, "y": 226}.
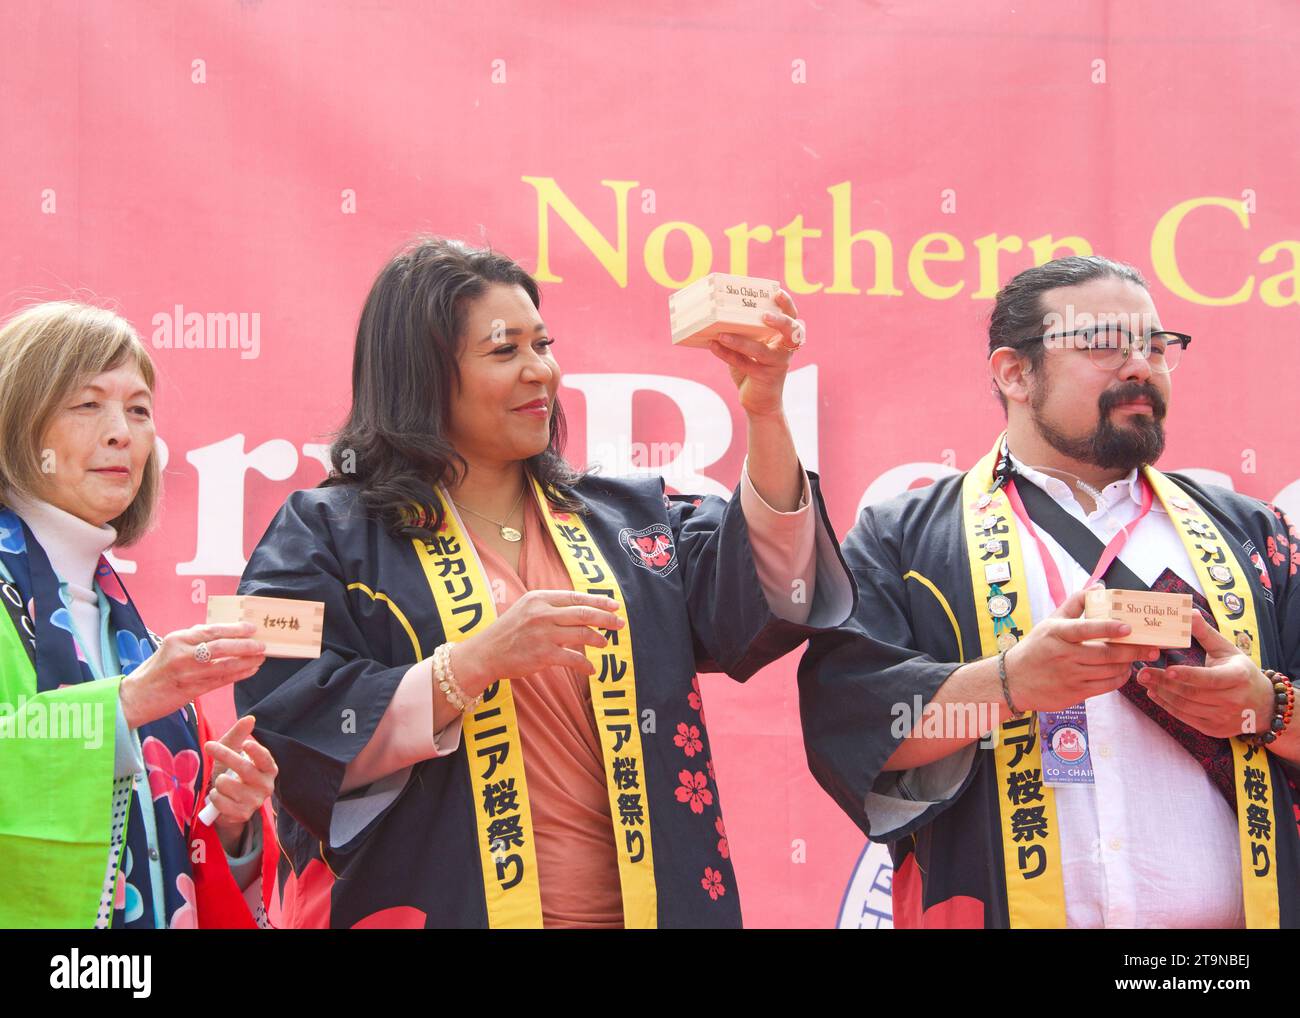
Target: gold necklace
{"x": 508, "y": 533}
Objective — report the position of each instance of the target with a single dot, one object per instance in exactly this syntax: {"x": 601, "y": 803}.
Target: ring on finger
{"x": 202, "y": 654}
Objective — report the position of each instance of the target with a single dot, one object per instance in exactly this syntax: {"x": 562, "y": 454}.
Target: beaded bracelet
{"x": 1006, "y": 689}
{"x": 1283, "y": 709}
{"x": 446, "y": 681}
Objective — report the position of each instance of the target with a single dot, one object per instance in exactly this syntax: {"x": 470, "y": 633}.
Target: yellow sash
{"x": 1030, "y": 836}
{"x": 1227, "y": 589}
{"x": 491, "y": 731}
{"x": 1031, "y": 844}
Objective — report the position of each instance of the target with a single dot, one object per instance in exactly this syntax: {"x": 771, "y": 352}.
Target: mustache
{"x": 1129, "y": 392}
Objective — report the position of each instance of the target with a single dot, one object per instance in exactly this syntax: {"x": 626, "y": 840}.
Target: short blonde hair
{"x": 47, "y": 352}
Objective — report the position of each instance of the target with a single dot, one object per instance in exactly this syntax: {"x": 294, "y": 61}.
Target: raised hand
{"x": 758, "y": 368}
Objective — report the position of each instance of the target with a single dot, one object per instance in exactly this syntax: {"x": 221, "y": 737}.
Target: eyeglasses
{"x": 1111, "y": 346}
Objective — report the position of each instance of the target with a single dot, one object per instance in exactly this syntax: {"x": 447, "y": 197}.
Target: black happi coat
{"x": 404, "y": 850}
{"x": 900, "y": 644}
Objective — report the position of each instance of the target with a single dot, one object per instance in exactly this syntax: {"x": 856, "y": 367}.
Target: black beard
{"x": 1125, "y": 448}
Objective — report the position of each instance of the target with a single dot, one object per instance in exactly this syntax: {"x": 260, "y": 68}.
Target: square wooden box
{"x": 296, "y": 627}
{"x": 719, "y": 303}
{"x": 1157, "y": 620}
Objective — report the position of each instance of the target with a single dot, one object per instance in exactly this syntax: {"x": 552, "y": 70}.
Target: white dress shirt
{"x": 1152, "y": 843}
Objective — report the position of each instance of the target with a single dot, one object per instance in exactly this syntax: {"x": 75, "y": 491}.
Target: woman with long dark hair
{"x": 505, "y": 728}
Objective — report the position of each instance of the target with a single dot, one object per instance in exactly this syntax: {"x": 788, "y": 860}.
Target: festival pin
{"x": 997, "y": 572}
{"x": 999, "y": 606}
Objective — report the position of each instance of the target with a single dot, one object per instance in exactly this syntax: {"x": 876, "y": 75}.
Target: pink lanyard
{"x": 1054, "y": 585}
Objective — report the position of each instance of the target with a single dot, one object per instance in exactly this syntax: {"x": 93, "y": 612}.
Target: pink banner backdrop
{"x": 232, "y": 175}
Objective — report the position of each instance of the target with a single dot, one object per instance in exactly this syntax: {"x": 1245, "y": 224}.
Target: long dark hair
{"x": 393, "y": 445}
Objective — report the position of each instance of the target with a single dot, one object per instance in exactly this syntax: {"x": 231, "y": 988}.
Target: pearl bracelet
{"x": 446, "y": 681}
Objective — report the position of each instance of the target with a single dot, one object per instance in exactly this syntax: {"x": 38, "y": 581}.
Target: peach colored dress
{"x": 577, "y": 863}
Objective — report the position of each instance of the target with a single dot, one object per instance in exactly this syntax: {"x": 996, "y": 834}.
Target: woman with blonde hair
{"x": 100, "y": 738}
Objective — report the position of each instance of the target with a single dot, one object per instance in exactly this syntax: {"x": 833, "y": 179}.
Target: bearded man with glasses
{"x": 1055, "y": 778}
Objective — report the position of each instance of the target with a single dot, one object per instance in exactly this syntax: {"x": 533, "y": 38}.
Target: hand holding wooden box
{"x": 719, "y": 303}
{"x": 289, "y": 628}
{"x": 1156, "y": 619}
